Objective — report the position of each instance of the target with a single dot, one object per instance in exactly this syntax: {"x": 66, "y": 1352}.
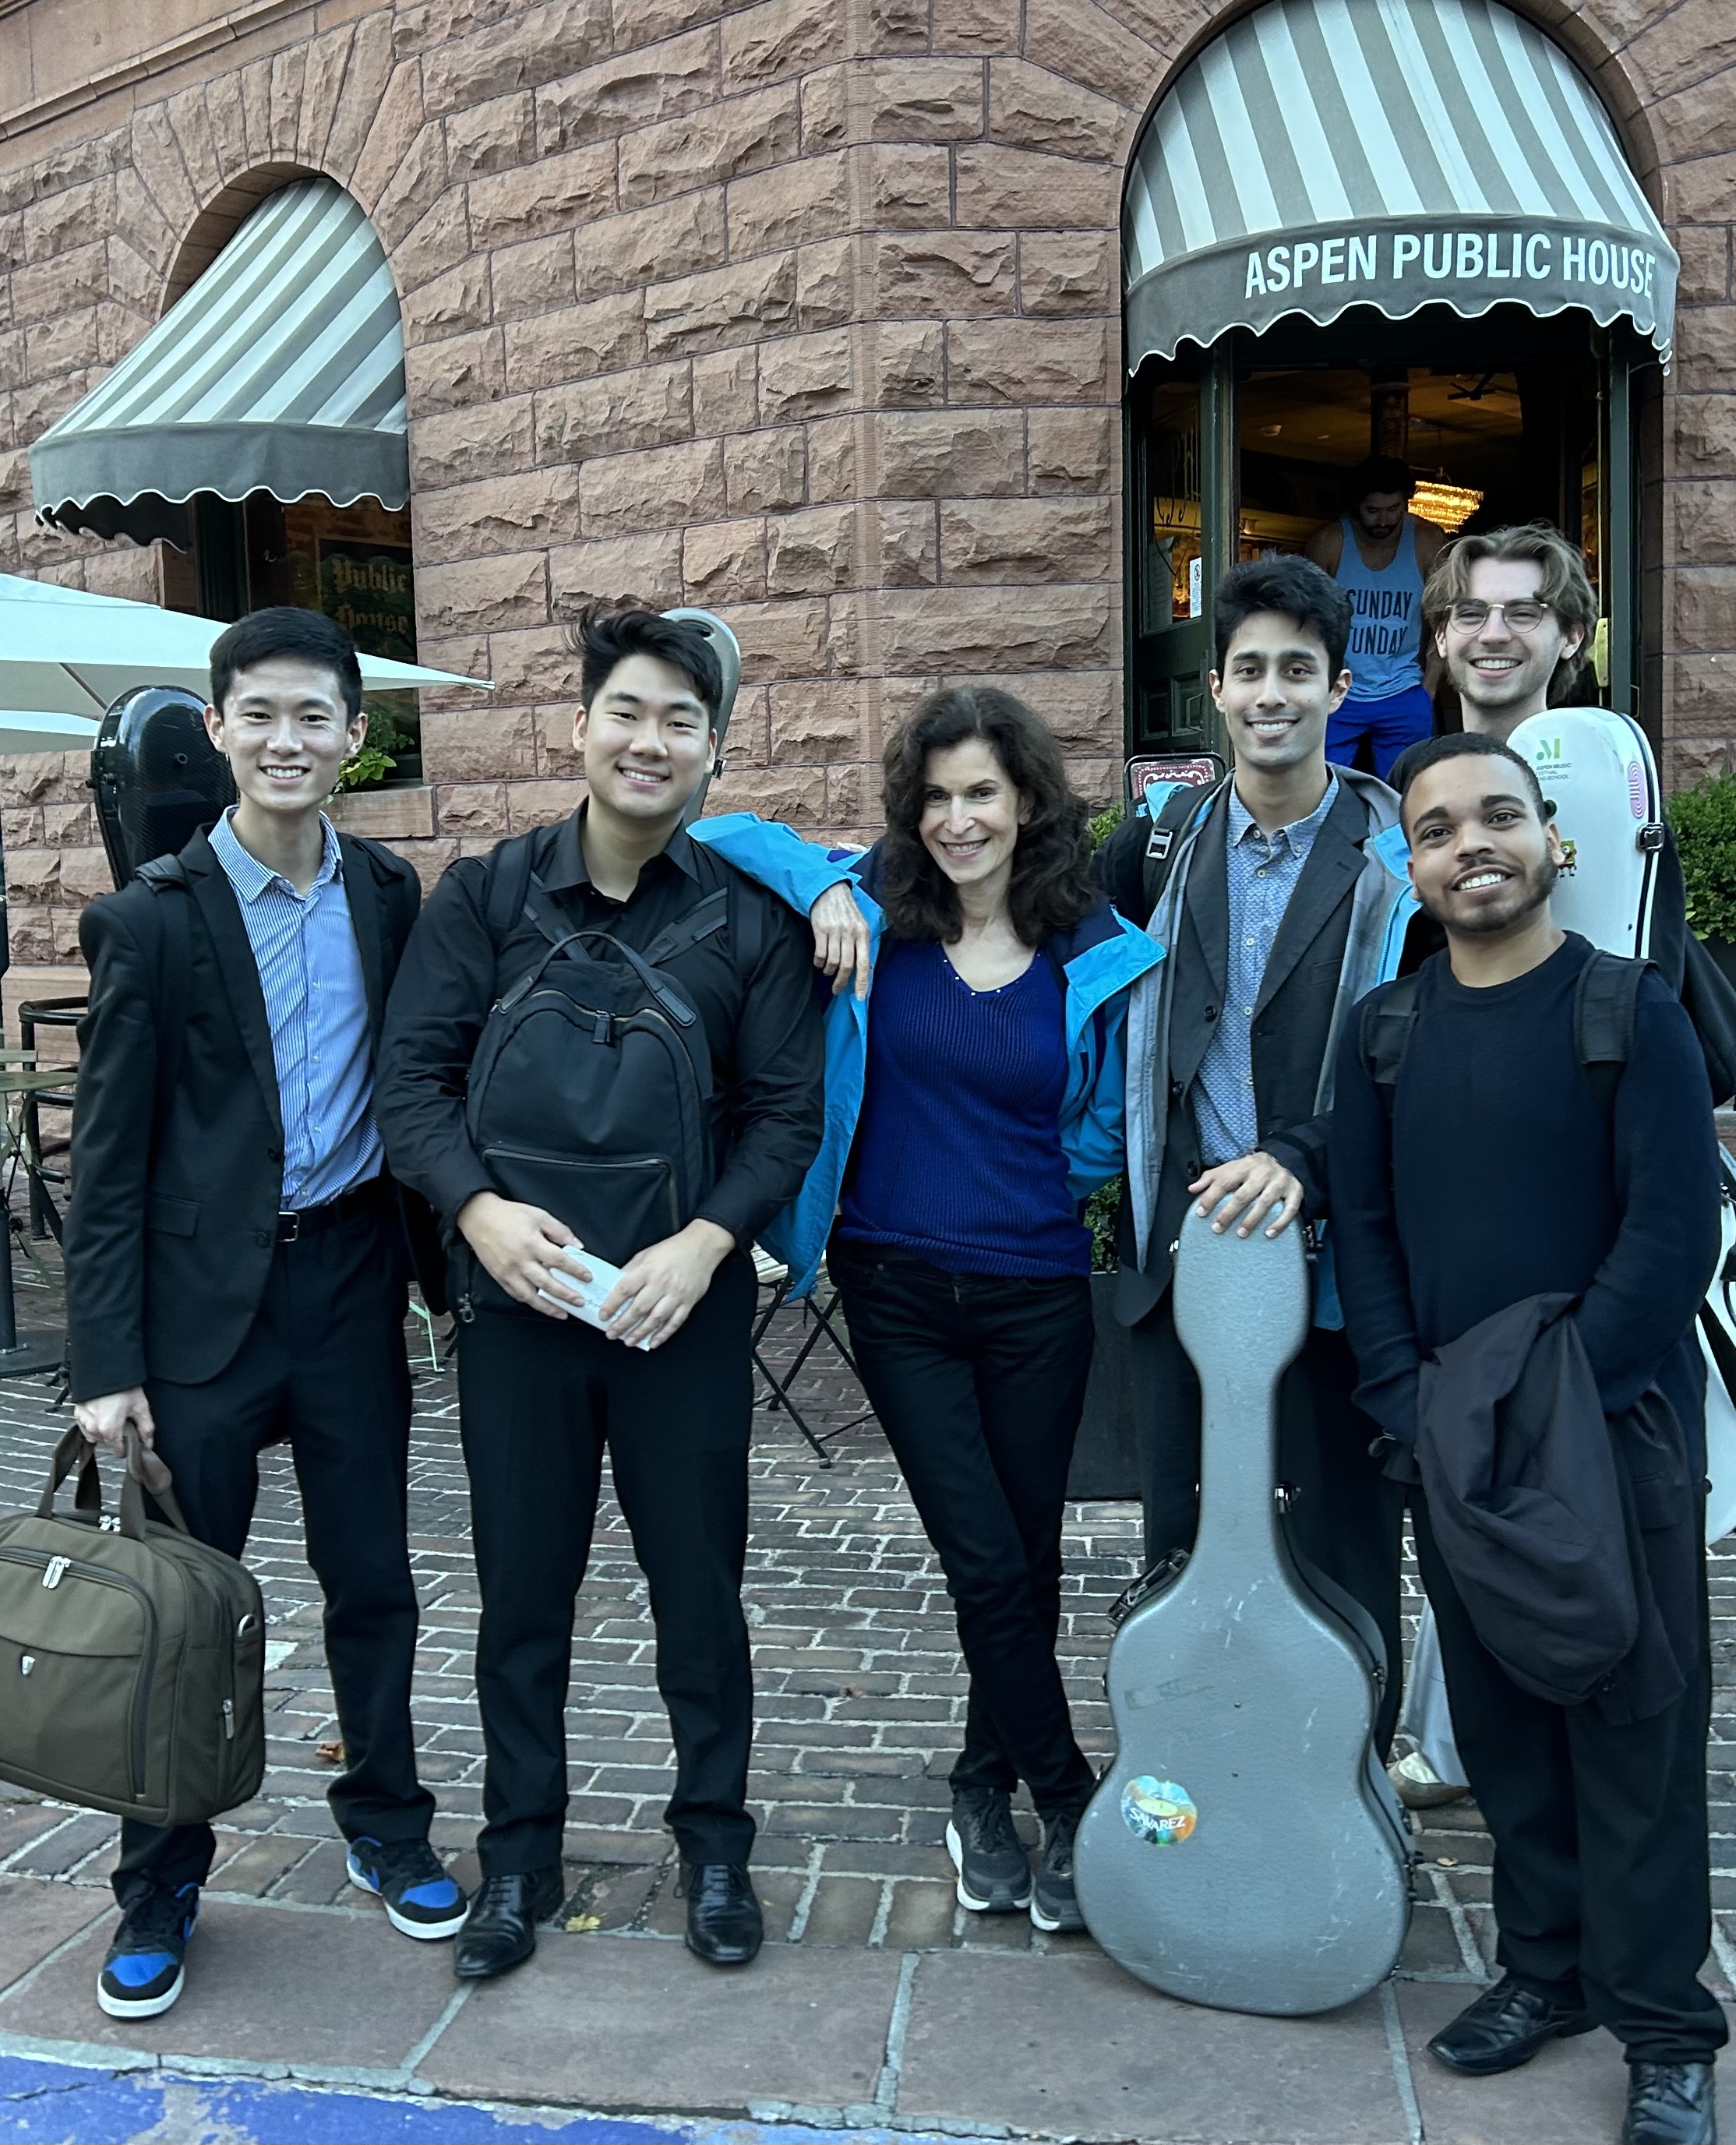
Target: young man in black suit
{"x": 237, "y": 1259}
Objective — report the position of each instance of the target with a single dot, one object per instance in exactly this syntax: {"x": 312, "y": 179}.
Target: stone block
{"x": 538, "y": 666}
{"x": 1078, "y": 40}
{"x": 905, "y": 362}
{"x": 826, "y": 109}
{"x": 535, "y": 277}
{"x": 482, "y": 594}
{"x": 625, "y": 252}
{"x": 788, "y": 205}
{"x": 522, "y": 53}
{"x": 779, "y": 38}
{"x": 494, "y": 514}
{"x": 541, "y": 803}
{"x": 793, "y": 797}
{"x": 949, "y": 630}
{"x": 453, "y": 447}
{"x": 33, "y": 875}
{"x": 77, "y": 215}
{"x": 908, "y": 545}
{"x": 650, "y": 407}
{"x": 951, "y": 454}
{"x": 40, "y": 1918}
{"x": 1070, "y": 272}
{"x": 743, "y": 302}
{"x": 765, "y": 471}
{"x": 48, "y": 288}
{"x": 640, "y": 21}
{"x": 1011, "y": 361}
{"x": 289, "y": 73}
{"x": 740, "y": 134}
{"x": 399, "y": 116}
{"x": 1697, "y": 191}
{"x": 456, "y": 372}
{"x": 1701, "y": 430}
{"x": 1705, "y": 274}
{"x": 404, "y": 813}
{"x": 440, "y": 240}
{"x": 1683, "y": 45}
{"x": 1083, "y": 707}
{"x": 477, "y": 745}
{"x": 657, "y": 488}
{"x": 977, "y": 26}
{"x": 1029, "y": 108}
{"x": 726, "y": 390}
{"x": 553, "y": 194}
{"x": 781, "y": 639}
{"x": 1005, "y": 189}
{"x": 85, "y": 873}
{"x": 944, "y": 275}
{"x": 805, "y": 376}
{"x": 1069, "y": 449}
{"x": 924, "y": 100}
{"x": 142, "y": 223}
{"x": 554, "y": 348}
{"x": 328, "y": 58}
{"x": 748, "y": 730}
{"x": 848, "y": 788}
{"x": 811, "y": 552}
{"x": 495, "y": 137}
{"x": 459, "y": 299}
{"x": 816, "y": 722}
{"x": 1700, "y": 121}
{"x": 157, "y": 159}
{"x": 907, "y": 188}
{"x": 422, "y": 23}
{"x": 898, "y": 25}
{"x": 1705, "y": 523}
{"x": 831, "y": 283}
{"x": 1706, "y": 348}
{"x": 724, "y": 561}
{"x": 832, "y": 460}
{"x": 1698, "y": 691}
{"x": 556, "y": 754}
{"x": 637, "y": 88}
{"x": 365, "y": 76}
{"x": 1025, "y": 539}
{"x": 23, "y": 827}
{"x": 646, "y": 567}
{"x": 472, "y": 809}
{"x": 1704, "y": 610}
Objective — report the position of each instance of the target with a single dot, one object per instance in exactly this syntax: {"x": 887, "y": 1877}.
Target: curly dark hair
{"x": 1051, "y": 889}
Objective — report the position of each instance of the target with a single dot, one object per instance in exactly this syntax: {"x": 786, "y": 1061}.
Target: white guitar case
{"x": 1245, "y": 1668}
{"x": 1596, "y": 767}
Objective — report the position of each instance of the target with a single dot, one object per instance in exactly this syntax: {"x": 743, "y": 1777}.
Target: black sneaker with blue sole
{"x": 410, "y": 1881}
{"x": 145, "y": 1970}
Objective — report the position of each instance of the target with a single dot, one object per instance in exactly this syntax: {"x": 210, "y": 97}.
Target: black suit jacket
{"x": 1292, "y": 1016}
{"x": 169, "y": 1239}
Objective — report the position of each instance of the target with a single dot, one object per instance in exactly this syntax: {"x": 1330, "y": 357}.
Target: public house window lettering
{"x": 1439, "y": 257}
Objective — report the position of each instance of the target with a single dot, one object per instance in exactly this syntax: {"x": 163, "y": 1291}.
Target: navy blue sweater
{"x": 958, "y": 1158}
{"x": 1504, "y": 1177}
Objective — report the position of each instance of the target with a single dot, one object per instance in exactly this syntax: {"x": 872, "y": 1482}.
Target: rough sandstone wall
{"x": 805, "y": 310}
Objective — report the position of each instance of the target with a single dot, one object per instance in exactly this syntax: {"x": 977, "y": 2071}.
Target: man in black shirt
{"x": 668, "y": 1386}
{"x": 1491, "y": 1172}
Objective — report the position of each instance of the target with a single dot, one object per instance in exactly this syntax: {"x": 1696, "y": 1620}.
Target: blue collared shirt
{"x": 316, "y": 1004}
{"x": 1263, "y": 871}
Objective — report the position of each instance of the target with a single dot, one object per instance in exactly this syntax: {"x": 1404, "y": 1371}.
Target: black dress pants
{"x": 540, "y": 1399}
{"x": 1346, "y": 1518}
{"x": 323, "y": 1367}
{"x": 1601, "y": 1885}
{"x": 979, "y": 1382}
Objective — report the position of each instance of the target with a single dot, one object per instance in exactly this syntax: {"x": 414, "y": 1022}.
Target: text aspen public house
{"x": 1460, "y": 256}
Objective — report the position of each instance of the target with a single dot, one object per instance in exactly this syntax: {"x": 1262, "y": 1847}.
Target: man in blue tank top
{"x": 1381, "y": 554}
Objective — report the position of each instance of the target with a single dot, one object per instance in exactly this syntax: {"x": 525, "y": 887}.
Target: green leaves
{"x": 1704, "y": 819}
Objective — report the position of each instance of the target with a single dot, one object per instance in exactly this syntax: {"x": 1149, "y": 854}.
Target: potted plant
{"x": 1703, "y": 820}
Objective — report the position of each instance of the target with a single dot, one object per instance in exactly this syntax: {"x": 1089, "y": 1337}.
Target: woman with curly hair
{"x": 969, "y": 1119}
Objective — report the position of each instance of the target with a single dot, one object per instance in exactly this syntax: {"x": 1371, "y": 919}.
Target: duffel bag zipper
{"x": 59, "y": 1567}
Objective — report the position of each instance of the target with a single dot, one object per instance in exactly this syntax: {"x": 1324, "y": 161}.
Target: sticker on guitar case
{"x": 1159, "y": 1812}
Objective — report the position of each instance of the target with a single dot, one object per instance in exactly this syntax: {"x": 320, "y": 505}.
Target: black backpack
{"x": 590, "y": 1093}
{"x": 1604, "y": 996}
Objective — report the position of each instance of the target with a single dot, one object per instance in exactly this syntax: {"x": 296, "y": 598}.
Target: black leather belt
{"x": 293, "y": 1224}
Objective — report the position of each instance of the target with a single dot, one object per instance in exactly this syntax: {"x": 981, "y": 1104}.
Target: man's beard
{"x": 1533, "y": 891}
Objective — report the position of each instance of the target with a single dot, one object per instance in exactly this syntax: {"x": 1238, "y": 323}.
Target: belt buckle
{"x": 292, "y": 1235}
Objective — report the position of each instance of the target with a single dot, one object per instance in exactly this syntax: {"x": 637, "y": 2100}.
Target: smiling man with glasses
{"x": 1512, "y": 613}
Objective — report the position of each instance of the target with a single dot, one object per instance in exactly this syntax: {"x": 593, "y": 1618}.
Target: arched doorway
{"x": 1351, "y": 228}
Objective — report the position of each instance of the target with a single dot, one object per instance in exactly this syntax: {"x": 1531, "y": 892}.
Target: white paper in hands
{"x": 586, "y": 1297}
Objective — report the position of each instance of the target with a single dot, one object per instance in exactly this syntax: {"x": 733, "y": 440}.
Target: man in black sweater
{"x": 1491, "y": 1172}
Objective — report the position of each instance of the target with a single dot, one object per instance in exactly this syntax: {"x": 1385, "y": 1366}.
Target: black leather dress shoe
{"x": 499, "y": 1931}
{"x": 1670, "y": 2104}
{"x": 724, "y": 1926}
{"x": 1504, "y": 2027}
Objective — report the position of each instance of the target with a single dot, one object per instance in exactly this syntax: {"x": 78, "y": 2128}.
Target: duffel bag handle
{"x": 145, "y": 1470}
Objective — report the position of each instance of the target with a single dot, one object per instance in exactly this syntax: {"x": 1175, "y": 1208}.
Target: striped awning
{"x": 1322, "y": 154}
{"x": 280, "y": 370}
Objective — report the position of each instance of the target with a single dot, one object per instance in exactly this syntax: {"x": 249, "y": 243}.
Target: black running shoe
{"x": 1054, "y": 1903}
{"x": 994, "y": 1870}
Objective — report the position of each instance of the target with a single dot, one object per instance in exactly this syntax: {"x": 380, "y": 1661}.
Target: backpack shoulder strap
{"x": 1388, "y": 1017}
{"x": 1168, "y": 823}
{"x": 167, "y": 878}
{"x": 510, "y": 871}
{"x": 1605, "y": 998}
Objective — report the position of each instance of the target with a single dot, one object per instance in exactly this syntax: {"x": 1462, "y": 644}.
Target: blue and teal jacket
{"x": 1101, "y": 961}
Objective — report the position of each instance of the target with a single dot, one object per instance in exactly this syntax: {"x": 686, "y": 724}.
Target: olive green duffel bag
{"x": 132, "y": 1657}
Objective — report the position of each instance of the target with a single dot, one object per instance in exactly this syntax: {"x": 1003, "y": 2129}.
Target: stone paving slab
{"x": 623, "y": 2022}
{"x": 1074, "y": 2048}
{"x": 267, "y": 1984}
{"x": 36, "y": 1919}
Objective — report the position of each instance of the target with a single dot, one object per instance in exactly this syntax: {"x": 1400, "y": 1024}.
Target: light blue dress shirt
{"x": 317, "y": 1005}
{"x": 1263, "y": 871}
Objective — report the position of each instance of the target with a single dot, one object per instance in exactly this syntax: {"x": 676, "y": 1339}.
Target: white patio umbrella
{"x": 65, "y": 652}
{"x": 46, "y": 733}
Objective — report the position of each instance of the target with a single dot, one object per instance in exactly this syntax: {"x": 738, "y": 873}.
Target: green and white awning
{"x": 1322, "y": 154}
{"x": 282, "y": 371}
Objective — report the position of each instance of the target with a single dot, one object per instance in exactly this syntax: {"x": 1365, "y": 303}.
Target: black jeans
{"x": 324, "y": 1367}
{"x": 1347, "y": 1519}
{"x": 978, "y": 1382}
{"x": 539, "y": 1400}
{"x": 1602, "y": 1885}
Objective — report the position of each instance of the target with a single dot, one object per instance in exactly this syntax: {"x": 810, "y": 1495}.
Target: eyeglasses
{"x": 1471, "y": 615}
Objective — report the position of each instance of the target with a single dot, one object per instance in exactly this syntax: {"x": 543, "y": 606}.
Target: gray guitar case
{"x": 1245, "y": 1850}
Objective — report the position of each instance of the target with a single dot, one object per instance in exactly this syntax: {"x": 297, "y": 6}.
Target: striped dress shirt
{"x": 317, "y": 1005}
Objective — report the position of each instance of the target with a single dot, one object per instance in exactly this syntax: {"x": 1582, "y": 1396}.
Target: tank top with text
{"x": 1387, "y": 620}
